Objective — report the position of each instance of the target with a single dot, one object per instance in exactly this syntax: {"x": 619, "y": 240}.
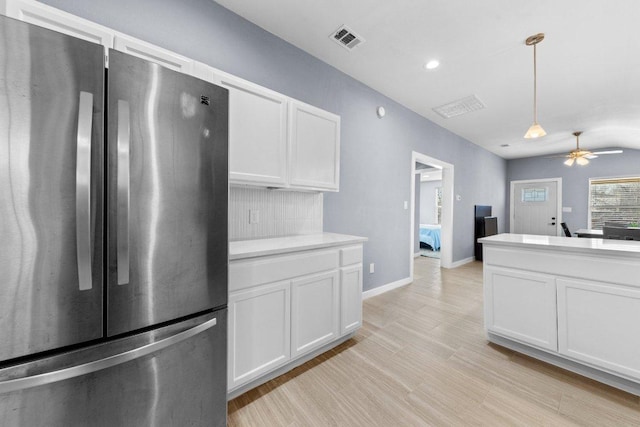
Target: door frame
{"x": 558, "y": 182}
{"x": 446, "y": 230}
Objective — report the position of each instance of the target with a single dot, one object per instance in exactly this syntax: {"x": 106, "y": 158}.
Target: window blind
{"x": 614, "y": 199}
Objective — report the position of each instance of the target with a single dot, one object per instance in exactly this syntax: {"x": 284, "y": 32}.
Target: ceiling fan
{"x": 582, "y": 157}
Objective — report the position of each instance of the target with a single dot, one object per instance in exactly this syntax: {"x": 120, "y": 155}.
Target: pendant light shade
{"x": 569, "y": 161}
{"x": 535, "y": 131}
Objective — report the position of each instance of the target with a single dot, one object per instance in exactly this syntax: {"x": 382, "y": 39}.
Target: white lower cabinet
{"x": 310, "y": 300}
{"x": 351, "y": 298}
{"x": 599, "y": 323}
{"x": 259, "y": 331}
{"x": 521, "y": 305}
{"x": 314, "y": 311}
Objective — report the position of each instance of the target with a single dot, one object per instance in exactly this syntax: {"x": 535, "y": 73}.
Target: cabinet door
{"x": 521, "y": 305}
{"x": 599, "y": 323}
{"x": 259, "y": 332}
{"x": 350, "y": 298}
{"x": 57, "y": 20}
{"x": 314, "y": 136}
{"x": 153, "y": 53}
{"x": 257, "y": 134}
{"x": 314, "y": 311}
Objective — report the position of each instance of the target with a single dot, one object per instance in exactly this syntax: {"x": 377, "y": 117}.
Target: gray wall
{"x": 375, "y": 153}
{"x": 428, "y": 201}
{"x": 575, "y": 179}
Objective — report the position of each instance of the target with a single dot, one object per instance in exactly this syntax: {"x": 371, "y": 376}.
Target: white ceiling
{"x": 588, "y": 64}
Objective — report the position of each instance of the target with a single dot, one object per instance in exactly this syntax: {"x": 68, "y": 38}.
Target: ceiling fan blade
{"x": 557, "y": 156}
{"x": 590, "y": 156}
{"x": 608, "y": 152}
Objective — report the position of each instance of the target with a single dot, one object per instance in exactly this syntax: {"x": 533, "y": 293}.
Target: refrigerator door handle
{"x": 83, "y": 190}
{"x": 123, "y": 192}
{"x": 108, "y": 362}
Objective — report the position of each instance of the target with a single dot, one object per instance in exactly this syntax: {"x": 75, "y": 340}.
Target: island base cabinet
{"x": 314, "y": 308}
{"x": 521, "y": 305}
{"x": 259, "y": 331}
{"x": 599, "y": 323}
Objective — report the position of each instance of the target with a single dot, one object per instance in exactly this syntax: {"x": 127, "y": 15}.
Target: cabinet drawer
{"x": 247, "y": 273}
{"x": 351, "y": 255}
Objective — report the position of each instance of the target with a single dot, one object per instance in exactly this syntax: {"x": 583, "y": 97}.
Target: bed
{"x": 430, "y": 236}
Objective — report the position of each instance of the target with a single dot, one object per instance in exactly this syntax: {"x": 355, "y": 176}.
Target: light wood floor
{"x": 421, "y": 358}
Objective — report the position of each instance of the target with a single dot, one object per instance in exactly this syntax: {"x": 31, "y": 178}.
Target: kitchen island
{"x": 574, "y": 303}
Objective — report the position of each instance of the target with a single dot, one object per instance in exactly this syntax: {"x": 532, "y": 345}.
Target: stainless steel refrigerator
{"x": 113, "y": 237}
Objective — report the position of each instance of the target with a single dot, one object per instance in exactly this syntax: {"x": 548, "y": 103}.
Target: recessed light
{"x": 434, "y": 63}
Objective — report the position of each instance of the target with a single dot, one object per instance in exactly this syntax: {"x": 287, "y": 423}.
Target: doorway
{"x": 536, "y": 207}
{"x": 446, "y": 228}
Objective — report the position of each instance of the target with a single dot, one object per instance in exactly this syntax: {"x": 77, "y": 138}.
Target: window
{"x": 614, "y": 199}
{"x": 439, "y": 205}
{"x": 534, "y": 194}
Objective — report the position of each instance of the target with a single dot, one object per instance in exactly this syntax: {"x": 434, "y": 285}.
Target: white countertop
{"x": 564, "y": 243}
{"x": 278, "y": 245}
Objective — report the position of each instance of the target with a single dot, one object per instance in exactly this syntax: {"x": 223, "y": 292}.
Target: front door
{"x": 535, "y": 207}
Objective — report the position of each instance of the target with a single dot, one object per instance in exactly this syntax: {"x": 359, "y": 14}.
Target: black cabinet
{"x": 485, "y": 225}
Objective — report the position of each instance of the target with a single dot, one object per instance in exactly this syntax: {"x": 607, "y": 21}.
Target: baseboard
{"x": 386, "y": 288}
{"x": 568, "y": 364}
{"x": 286, "y": 368}
{"x": 462, "y": 262}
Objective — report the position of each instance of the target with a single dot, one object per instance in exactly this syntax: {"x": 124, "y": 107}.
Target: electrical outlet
{"x": 406, "y": 204}
{"x": 372, "y": 268}
{"x": 254, "y": 216}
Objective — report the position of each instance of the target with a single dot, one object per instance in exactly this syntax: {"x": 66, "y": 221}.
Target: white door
{"x": 314, "y": 311}
{"x": 534, "y": 207}
{"x": 259, "y": 337}
{"x": 350, "y": 298}
{"x": 257, "y": 134}
{"x": 314, "y": 136}
{"x": 610, "y": 339}
{"x": 521, "y": 305}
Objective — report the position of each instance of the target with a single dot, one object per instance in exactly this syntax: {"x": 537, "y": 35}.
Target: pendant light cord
{"x": 535, "y": 86}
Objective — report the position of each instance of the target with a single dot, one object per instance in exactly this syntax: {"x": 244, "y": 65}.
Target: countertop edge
{"x": 564, "y": 244}
{"x": 288, "y": 244}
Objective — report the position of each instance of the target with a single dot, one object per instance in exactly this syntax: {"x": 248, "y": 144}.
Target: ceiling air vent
{"x": 459, "y": 107}
{"x": 346, "y": 38}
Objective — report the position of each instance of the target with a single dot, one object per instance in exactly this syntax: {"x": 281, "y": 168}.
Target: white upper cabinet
{"x": 48, "y": 17}
{"x": 257, "y": 134}
{"x": 149, "y": 52}
{"x": 314, "y": 141}
{"x": 276, "y": 141}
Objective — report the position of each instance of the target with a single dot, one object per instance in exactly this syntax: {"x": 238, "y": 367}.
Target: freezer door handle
{"x": 123, "y": 192}
{"x": 108, "y": 362}
{"x": 83, "y": 190}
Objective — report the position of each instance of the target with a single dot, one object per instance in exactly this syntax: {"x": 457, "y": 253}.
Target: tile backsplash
{"x": 279, "y": 213}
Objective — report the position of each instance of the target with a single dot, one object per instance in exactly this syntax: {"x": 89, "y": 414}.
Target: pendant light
{"x": 535, "y": 131}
